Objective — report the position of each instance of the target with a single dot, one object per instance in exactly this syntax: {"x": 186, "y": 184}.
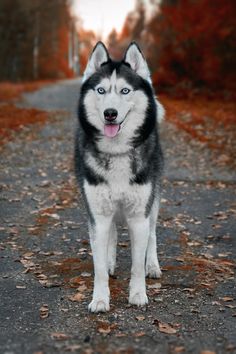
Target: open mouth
{"x": 111, "y": 130}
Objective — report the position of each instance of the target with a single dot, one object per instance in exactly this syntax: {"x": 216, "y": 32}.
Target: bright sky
{"x": 102, "y": 16}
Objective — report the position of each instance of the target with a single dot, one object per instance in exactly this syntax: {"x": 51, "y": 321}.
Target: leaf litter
{"x": 44, "y": 311}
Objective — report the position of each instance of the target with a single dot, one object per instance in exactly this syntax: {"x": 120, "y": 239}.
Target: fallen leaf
{"x": 83, "y": 250}
{"x": 72, "y": 347}
{"x": 223, "y": 255}
{"x": 178, "y": 349}
{"x": 227, "y": 298}
{"x": 207, "y": 352}
{"x": 207, "y": 255}
{"x": 230, "y": 347}
{"x": 104, "y": 330}
{"x": 57, "y": 253}
{"x": 191, "y": 290}
{"x": 216, "y": 303}
{"x": 140, "y": 318}
{"x": 82, "y": 288}
{"x": 103, "y": 327}
{"x": 85, "y": 274}
{"x": 45, "y": 183}
{"x": 20, "y": 287}
{"x": 41, "y": 276}
{"x": 139, "y": 334}
{"x": 154, "y": 286}
{"x": 48, "y": 253}
{"x": 59, "y": 336}
{"x": 121, "y": 335}
{"x": 28, "y": 255}
{"x": 123, "y": 244}
{"x": 165, "y": 327}
{"x": 44, "y": 311}
{"x": 231, "y": 306}
{"x": 194, "y": 243}
{"x": 206, "y": 285}
{"x": 77, "y": 297}
{"x": 77, "y": 281}
{"x": 193, "y": 310}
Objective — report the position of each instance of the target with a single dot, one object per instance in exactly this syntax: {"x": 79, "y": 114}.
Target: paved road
{"x": 46, "y": 258}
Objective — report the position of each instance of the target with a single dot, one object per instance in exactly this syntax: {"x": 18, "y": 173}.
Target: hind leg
{"x": 112, "y": 249}
{"x": 152, "y": 264}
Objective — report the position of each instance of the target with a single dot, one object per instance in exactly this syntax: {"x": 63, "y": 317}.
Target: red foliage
{"x": 188, "y": 44}
{"x": 195, "y": 41}
{"x": 13, "y": 118}
{"x": 10, "y": 91}
{"x": 40, "y": 42}
{"x": 209, "y": 121}
{"x": 87, "y": 40}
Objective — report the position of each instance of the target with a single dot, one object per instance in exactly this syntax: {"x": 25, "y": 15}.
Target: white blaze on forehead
{"x": 113, "y": 79}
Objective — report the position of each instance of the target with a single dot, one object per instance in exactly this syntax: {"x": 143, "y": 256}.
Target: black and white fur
{"x": 120, "y": 174}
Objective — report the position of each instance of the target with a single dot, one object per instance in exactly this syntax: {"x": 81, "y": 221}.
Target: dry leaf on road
{"x": 104, "y": 327}
{"x": 165, "y": 327}
{"x": 139, "y": 334}
{"x": 77, "y": 297}
{"x": 59, "y": 336}
{"x": 227, "y": 298}
{"x": 44, "y": 311}
{"x": 140, "y": 318}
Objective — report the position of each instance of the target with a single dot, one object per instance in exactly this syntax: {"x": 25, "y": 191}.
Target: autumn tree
{"x": 36, "y": 39}
{"x": 132, "y": 31}
{"x": 188, "y": 43}
{"x": 196, "y": 42}
{"x": 87, "y": 40}
{"x": 114, "y": 45}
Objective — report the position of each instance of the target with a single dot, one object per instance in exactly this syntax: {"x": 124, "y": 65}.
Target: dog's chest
{"x": 119, "y": 172}
{"x": 116, "y": 171}
{"x": 117, "y": 191}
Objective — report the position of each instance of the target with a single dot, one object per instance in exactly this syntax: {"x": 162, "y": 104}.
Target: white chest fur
{"x": 117, "y": 193}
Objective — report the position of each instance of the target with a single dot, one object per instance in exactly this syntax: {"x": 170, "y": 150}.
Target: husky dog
{"x": 118, "y": 161}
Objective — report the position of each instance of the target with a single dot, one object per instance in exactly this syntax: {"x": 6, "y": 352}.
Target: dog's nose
{"x": 110, "y": 114}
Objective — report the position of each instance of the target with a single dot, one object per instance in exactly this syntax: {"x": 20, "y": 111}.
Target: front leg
{"x": 139, "y": 233}
{"x": 99, "y": 236}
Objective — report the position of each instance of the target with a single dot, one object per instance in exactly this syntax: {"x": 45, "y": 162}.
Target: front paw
{"x": 99, "y": 305}
{"x": 138, "y": 299}
{"x": 153, "y": 271}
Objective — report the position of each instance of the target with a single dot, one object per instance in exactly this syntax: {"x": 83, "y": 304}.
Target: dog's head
{"x": 117, "y": 96}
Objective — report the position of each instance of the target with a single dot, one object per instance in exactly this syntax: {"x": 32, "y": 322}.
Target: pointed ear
{"x": 98, "y": 57}
{"x": 135, "y": 59}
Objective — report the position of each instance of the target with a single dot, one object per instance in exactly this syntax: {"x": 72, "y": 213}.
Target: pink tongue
{"x": 111, "y": 130}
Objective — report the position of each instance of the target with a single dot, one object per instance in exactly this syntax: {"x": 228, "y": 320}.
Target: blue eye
{"x": 125, "y": 91}
{"x": 101, "y": 90}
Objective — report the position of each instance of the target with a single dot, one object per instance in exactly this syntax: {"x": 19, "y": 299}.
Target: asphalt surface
{"x": 46, "y": 271}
